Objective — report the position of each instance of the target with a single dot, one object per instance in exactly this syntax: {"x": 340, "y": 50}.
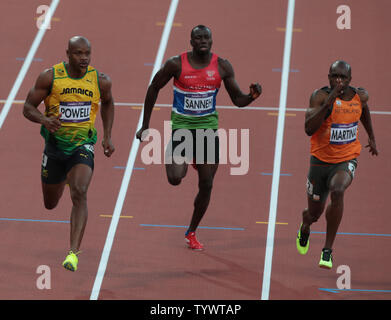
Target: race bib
{"x": 198, "y": 103}
{"x": 194, "y": 103}
{"x": 343, "y": 133}
{"x": 352, "y": 168}
{"x": 310, "y": 188}
{"x": 78, "y": 111}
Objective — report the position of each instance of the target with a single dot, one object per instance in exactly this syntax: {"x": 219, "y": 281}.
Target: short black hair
{"x": 341, "y": 63}
{"x": 200, "y": 26}
{"x": 77, "y": 39}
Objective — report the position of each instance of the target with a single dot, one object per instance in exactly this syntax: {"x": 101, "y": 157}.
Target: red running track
{"x": 152, "y": 262}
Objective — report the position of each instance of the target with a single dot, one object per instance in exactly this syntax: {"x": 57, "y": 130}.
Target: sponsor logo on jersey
{"x": 210, "y": 74}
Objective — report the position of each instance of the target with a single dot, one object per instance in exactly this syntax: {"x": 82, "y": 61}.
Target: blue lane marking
{"x": 120, "y": 167}
{"x": 174, "y": 226}
{"x": 335, "y": 290}
{"x": 32, "y": 220}
{"x": 357, "y": 234}
{"x": 270, "y": 174}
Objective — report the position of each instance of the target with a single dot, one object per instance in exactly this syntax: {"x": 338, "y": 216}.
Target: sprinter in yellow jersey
{"x": 71, "y": 92}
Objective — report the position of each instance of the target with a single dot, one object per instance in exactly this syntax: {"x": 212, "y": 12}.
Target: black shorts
{"x": 56, "y": 165}
{"x": 320, "y": 174}
{"x": 200, "y": 146}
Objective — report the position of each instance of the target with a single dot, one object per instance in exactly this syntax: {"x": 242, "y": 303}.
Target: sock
{"x": 187, "y": 232}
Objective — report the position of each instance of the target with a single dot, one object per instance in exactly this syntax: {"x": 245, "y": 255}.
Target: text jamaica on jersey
{"x": 86, "y": 92}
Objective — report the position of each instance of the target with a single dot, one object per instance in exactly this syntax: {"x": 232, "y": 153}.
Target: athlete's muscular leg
{"x": 338, "y": 184}
{"x": 52, "y": 194}
{"x": 79, "y": 178}
{"x": 176, "y": 164}
{"x": 206, "y": 174}
{"x": 311, "y": 214}
{"x": 53, "y": 181}
{"x": 176, "y": 172}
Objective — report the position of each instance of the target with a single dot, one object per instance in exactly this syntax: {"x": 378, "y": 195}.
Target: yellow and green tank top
{"x": 78, "y": 102}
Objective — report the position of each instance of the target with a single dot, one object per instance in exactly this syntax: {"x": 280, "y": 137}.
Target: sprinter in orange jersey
{"x": 332, "y": 122}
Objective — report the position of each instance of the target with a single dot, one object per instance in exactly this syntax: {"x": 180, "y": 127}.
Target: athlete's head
{"x": 201, "y": 39}
{"x": 79, "y": 53}
{"x": 340, "y": 71}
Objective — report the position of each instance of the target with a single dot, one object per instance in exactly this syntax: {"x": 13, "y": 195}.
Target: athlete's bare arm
{"x": 35, "y": 96}
{"x": 320, "y": 103}
{"x": 172, "y": 68}
{"x": 106, "y": 112}
{"x": 366, "y": 121}
{"x": 237, "y": 96}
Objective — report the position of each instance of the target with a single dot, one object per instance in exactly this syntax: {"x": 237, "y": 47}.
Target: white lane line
{"x": 130, "y": 164}
{"x": 167, "y": 105}
{"x": 27, "y": 61}
{"x": 277, "y": 153}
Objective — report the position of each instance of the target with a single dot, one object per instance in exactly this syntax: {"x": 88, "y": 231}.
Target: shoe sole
{"x": 69, "y": 266}
{"x": 323, "y": 266}
{"x": 195, "y": 249}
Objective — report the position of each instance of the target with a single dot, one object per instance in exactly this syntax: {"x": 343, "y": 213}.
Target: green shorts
{"x": 320, "y": 174}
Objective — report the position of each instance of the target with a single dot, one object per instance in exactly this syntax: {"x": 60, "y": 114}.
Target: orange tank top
{"x": 337, "y": 138}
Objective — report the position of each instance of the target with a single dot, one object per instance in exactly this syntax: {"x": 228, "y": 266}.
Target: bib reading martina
{"x": 78, "y": 102}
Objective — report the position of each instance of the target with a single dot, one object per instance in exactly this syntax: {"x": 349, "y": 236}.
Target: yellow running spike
{"x": 326, "y": 259}
{"x": 300, "y": 248}
{"x": 71, "y": 261}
